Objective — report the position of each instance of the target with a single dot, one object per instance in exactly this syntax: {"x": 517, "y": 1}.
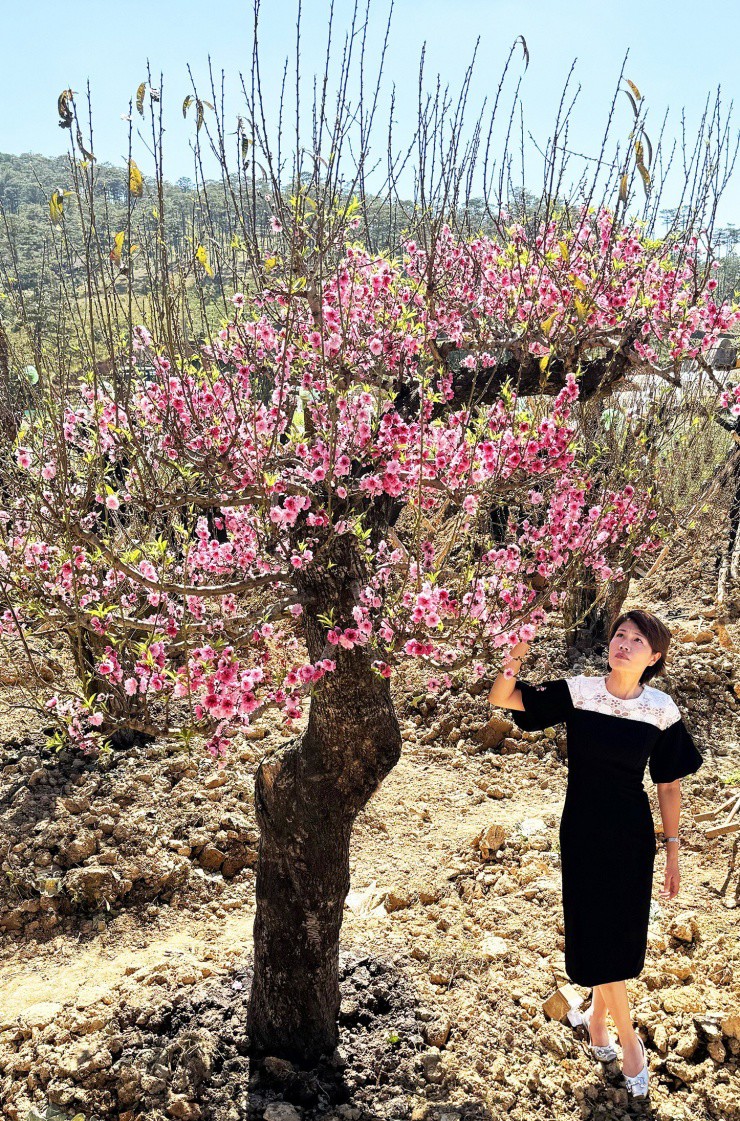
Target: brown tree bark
{"x": 307, "y": 797}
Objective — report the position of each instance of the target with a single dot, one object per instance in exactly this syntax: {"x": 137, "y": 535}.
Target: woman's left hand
{"x": 672, "y": 879}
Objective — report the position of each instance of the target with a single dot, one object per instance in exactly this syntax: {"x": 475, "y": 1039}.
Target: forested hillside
{"x": 28, "y": 181}
{"x": 192, "y": 216}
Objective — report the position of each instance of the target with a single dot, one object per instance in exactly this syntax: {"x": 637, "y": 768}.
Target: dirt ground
{"x": 127, "y": 903}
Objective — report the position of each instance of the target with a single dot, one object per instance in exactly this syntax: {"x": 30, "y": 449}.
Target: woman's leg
{"x": 615, "y": 997}
{"x": 599, "y": 1033}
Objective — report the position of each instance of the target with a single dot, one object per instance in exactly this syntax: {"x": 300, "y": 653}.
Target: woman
{"x": 615, "y": 726}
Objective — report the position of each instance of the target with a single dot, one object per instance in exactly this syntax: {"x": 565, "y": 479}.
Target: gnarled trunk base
{"x": 307, "y": 797}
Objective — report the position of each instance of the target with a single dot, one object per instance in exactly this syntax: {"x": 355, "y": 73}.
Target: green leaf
{"x": 135, "y": 180}
{"x": 56, "y": 208}
{"x": 199, "y": 105}
{"x": 201, "y": 257}
{"x": 116, "y": 251}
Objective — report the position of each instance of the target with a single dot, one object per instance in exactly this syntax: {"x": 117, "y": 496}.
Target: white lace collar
{"x": 653, "y": 705}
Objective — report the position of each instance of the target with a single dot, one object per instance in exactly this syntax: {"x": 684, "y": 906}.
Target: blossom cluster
{"x": 305, "y": 422}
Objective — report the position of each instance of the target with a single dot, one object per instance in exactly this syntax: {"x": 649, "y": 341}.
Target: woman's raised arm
{"x": 504, "y": 692}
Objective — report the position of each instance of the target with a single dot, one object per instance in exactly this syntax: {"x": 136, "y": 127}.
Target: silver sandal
{"x": 637, "y": 1085}
{"x": 608, "y": 1052}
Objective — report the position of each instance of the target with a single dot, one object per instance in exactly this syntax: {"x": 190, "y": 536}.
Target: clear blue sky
{"x": 678, "y": 52}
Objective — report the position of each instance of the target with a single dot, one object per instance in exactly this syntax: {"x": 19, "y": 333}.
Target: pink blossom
{"x": 286, "y": 419}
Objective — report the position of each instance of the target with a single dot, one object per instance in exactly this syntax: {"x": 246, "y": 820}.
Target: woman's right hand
{"x": 521, "y": 650}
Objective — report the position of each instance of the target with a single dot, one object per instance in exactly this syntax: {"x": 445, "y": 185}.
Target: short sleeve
{"x": 674, "y": 754}
{"x": 544, "y": 705}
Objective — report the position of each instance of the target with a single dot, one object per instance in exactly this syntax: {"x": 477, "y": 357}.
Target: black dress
{"x": 607, "y": 837}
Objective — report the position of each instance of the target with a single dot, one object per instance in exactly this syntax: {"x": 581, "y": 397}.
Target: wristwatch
{"x": 667, "y": 839}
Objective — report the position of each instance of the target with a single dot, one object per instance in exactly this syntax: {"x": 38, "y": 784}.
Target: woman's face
{"x": 630, "y": 650}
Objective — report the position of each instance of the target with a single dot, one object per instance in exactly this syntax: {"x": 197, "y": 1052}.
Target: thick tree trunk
{"x": 307, "y": 797}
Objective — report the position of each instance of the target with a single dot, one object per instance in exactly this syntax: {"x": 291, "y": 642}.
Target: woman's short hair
{"x": 656, "y": 633}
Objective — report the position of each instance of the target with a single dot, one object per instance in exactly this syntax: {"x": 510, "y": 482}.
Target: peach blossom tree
{"x": 375, "y": 459}
{"x": 286, "y": 517}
